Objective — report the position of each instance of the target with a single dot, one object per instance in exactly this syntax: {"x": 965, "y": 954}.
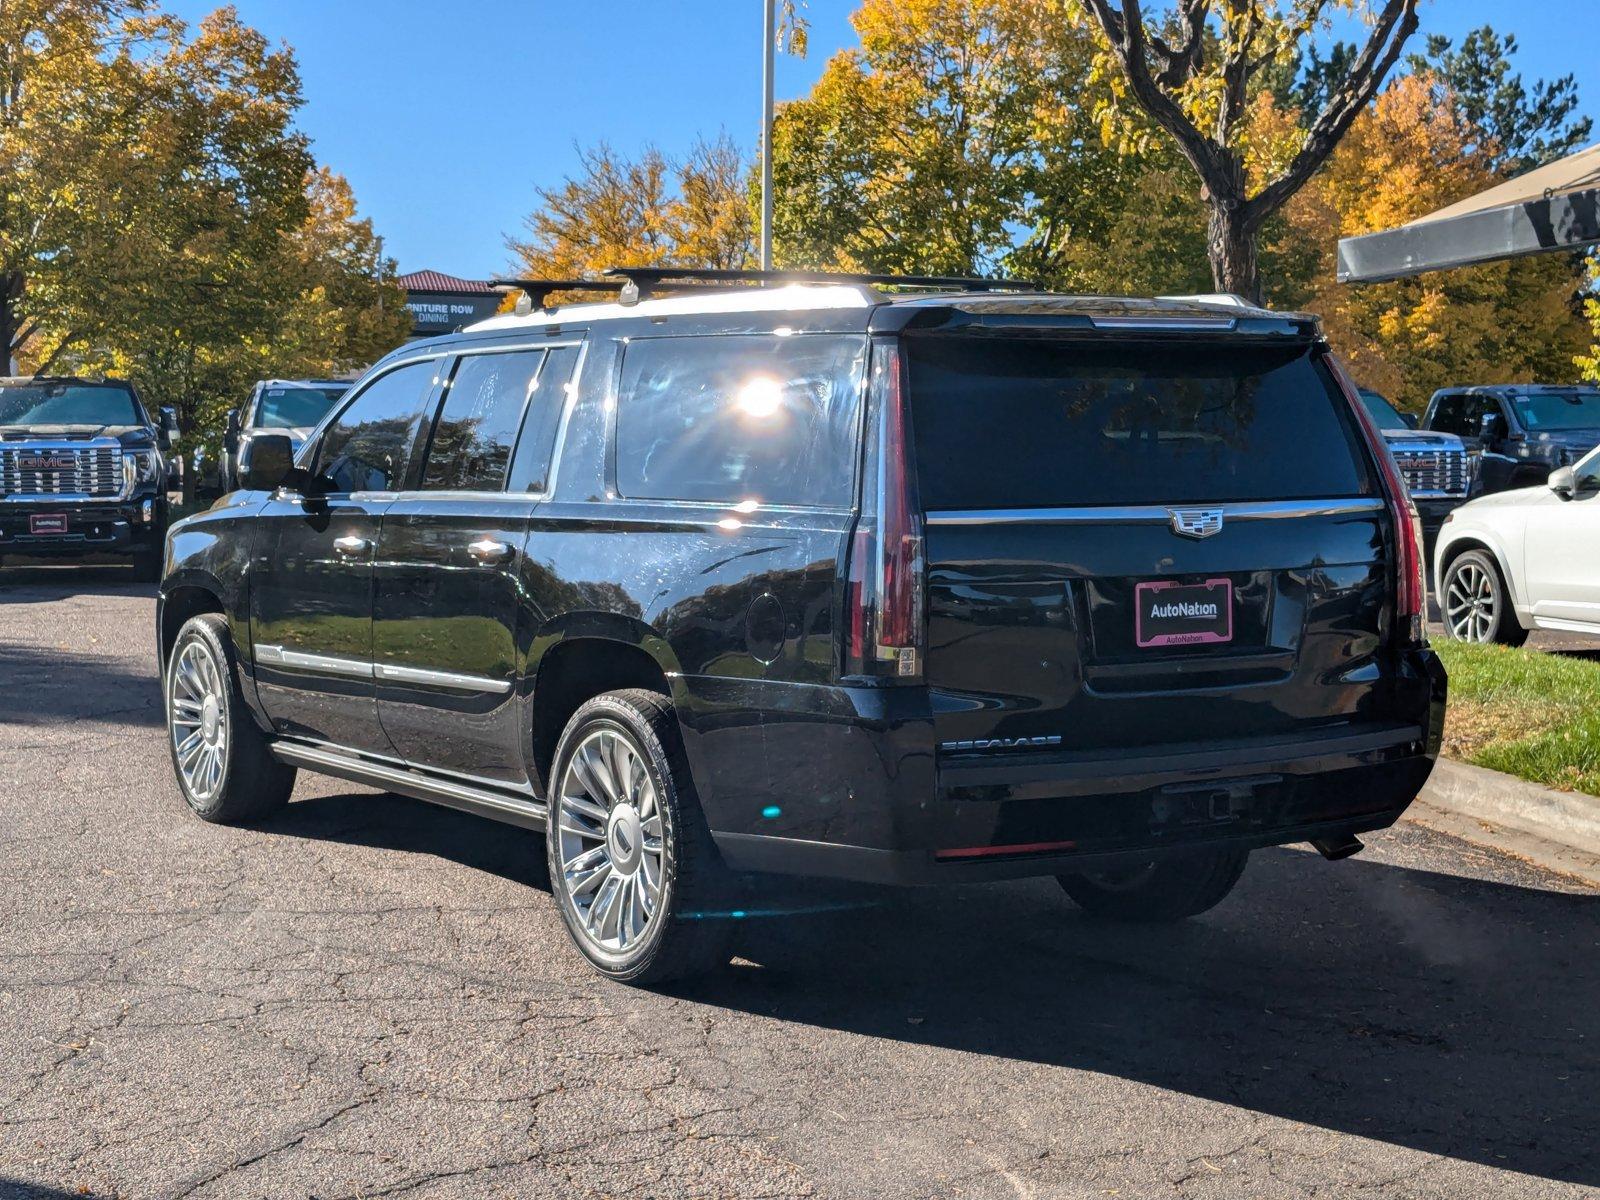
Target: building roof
{"x": 437, "y": 281}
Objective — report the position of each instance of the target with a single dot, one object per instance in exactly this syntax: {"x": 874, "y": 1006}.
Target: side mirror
{"x": 1563, "y": 482}
{"x": 1491, "y": 429}
{"x": 1409, "y": 419}
{"x": 168, "y": 429}
{"x": 230, "y": 436}
{"x": 265, "y": 462}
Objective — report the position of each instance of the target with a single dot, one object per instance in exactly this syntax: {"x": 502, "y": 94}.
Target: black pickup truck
{"x": 83, "y": 470}
{"x": 1519, "y": 432}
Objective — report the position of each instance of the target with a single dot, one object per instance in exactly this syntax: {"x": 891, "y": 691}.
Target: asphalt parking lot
{"x": 370, "y": 997}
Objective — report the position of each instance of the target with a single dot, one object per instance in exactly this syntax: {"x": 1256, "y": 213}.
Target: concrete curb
{"x": 1558, "y": 830}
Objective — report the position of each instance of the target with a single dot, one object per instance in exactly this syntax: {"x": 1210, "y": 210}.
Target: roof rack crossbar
{"x": 537, "y": 290}
{"x": 642, "y": 281}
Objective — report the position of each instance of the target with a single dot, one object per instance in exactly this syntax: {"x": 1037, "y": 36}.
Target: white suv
{"x": 1516, "y": 561}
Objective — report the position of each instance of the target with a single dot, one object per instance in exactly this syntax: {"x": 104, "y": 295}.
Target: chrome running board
{"x": 498, "y": 806}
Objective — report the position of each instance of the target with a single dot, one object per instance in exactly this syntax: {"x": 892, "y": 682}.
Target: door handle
{"x": 351, "y": 546}
{"x": 487, "y": 550}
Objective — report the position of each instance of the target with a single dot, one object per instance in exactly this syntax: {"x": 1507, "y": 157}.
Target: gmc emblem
{"x": 47, "y": 462}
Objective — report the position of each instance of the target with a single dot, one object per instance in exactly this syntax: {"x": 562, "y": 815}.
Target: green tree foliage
{"x": 943, "y": 143}
{"x": 1195, "y": 70}
{"x": 1524, "y": 126}
{"x": 1495, "y": 323}
{"x": 644, "y": 211}
{"x": 163, "y": 218}
{"x": 922, "y": 149}
{"x": 960, "y": 138}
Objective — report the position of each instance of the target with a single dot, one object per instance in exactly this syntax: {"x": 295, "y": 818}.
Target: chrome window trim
{"x": 1153, "y": 514}
{"x": 464, "y": 494}
{"x": 458, "y": 680}
{"x": 567, "y": 403}
{"x": 322, "y": 664}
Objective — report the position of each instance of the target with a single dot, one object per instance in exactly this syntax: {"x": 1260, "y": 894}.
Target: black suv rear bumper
{"x": 1021, "y": 814}
{"x": 110, "y": 527}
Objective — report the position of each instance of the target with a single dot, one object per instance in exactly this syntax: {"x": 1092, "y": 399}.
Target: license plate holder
{"x": 46, "y": 523}
{"x": 1169, "y": 613}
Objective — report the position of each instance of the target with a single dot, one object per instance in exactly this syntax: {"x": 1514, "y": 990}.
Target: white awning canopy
{"x": 1550, "y": 208}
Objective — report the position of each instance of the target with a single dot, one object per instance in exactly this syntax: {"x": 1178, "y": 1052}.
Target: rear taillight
{"x": 1410, "y": 603}
{"x": 883, "y": 600}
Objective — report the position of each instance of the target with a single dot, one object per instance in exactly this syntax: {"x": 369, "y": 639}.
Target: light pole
{"x": 769, "y": 34}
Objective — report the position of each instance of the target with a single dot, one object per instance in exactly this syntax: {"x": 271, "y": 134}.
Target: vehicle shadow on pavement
{"x": 17, "y": 1189}
{"x": 391, "y": 822}
{"x": 47, "y": 686}
{"x": 40, "y": 581}
{"x": 1452, "y": 1015}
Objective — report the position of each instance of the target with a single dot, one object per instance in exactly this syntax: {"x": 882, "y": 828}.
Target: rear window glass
{"x": 1037, "y": 424}
{"x": 740, "y": 418}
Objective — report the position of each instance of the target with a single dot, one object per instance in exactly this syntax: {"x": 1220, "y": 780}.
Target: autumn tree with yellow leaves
{"x": 1501, "y": 322}
{"x": 641, "y": 211}
{"x": 163, "y": 218}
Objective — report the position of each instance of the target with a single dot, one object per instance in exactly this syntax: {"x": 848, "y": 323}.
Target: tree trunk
{"x": 10, "y": 319}
{"x": 1232, "y": 247}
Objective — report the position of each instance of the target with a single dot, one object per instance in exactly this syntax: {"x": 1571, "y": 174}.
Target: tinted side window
{"x": 728, "y": 419}
{"x": 530, "y": 469}
{"x": 1450, "y": 415}
{"x": 369, "y": 447}
{"x": 478, "y": 421}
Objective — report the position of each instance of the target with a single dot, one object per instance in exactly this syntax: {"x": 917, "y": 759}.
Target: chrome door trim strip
{"x": 529, "y": 813}
{"x": 1151, "y": 514}
{"x": 460, "y": 681}
{"x": 322, "y": 664}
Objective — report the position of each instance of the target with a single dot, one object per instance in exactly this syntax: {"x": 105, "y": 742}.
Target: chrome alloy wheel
{"x": 610, "y": 840}
{"x": 1469, "y": 606}
{"x": 197, "y": 716}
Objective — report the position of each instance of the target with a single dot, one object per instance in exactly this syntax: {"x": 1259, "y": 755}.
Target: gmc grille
{"x": 1434, "y": 472}
{"x": 60, "y": 470}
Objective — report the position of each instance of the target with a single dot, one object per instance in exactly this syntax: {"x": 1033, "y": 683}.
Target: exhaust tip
{"x": 1333, "y": 849}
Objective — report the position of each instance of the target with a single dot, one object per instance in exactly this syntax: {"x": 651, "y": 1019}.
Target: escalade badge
{"x": 1196, "y": 522}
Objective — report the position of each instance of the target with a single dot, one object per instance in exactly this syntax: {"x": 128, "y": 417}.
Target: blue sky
{"x": 446, "y": 114}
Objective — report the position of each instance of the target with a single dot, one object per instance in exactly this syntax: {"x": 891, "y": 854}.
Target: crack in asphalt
{"x": 365, "y": 997}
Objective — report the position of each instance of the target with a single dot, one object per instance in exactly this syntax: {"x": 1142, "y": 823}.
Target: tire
{"x": 233, "y": 777}
{"x": 1474, "y": 603}
{"x": 600, "y": 850}
{"x": 1167, "y": 889}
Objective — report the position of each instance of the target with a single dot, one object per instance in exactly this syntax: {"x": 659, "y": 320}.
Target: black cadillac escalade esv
{"x": 913, "y": 580}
